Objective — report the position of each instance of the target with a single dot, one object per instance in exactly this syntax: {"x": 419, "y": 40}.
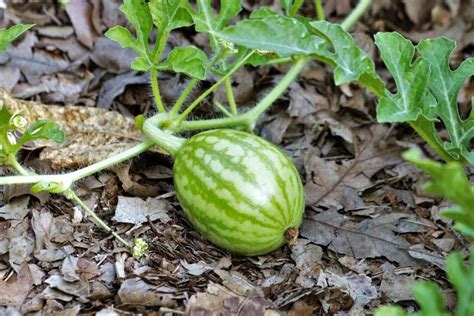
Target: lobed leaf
{"x": 291, "y": 6}
{"x": 390, "y": 311}
{"x": 428, "y": 295}
{"x": 122, "y": 36}
{"x": 43, "y": 129}
{"x": 350, "y": 62}
{"x": 207, "y": 21}
{"x": 449, "y": 181}
{"x": 168, "y": 15}
{"x": 445, "y": 85}
{"x": 462, "y": 278}
{"x": 189, "y": 60}
{"x": 7, "y": 36}
{"x": 412, "y": 98}
{"x": 138, "y": 13}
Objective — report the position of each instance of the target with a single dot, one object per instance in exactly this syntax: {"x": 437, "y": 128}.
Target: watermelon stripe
{"x": 238, "y": 190}
{"x": 220, "y": 203}
{"x": 233, "y": 187}
{"x": 215, "y": 230}
{"x": 268, "y": 164}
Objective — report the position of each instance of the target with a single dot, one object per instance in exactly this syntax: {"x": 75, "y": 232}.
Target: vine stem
{"x": 230, "y": 96}
{"x": 319, "y": 10}
{"x": 167, "y": 141}
{"x": 69, "y": 194}
{"x": 72, "y": 196}
{"x": 16, "y": 165}
{"x": 221, "y": 108}
{"x": 249, "y": 119}
{"x": 182, "y": 98}
{"x": 355, "y": 15}
{"x": 80, "y": 173}
{"x": 277, "y": 91}
{"x": 211, "y": 89}
{"x": 156, "y": 90}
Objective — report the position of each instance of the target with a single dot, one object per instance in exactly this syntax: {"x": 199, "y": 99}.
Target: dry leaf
{"x": 14, "y": 291}
{"x": 92, "y": 134}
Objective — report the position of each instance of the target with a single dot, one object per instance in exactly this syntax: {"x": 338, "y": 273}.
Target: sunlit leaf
{"x": 412, "y": 98}
{"x": 189, "y": 60}
{"x": 44, "y": 129}
{"x": 168, "y": 15}
{"x": 445, "y": 84}
{"x": 449, "y": 181}
{"x": 279, "y": 34}
{"x": 350, "y": 62}
{"x": 7, "y": 36}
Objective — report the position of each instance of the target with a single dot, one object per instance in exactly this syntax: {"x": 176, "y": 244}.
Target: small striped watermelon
{"x": 239, "y": 191}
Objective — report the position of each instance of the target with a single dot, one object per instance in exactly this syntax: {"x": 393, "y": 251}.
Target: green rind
{"x": 238, "y": 190}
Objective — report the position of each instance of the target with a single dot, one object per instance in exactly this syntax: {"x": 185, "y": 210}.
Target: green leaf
{"x": 122, "y": 36}
{"x": 138, "y": 13}
{"x": 390, "y": 311}
{"x": 350, "y": 62}
{"x": 141, "y": 64}
{"x": 286, "y": 5}
{"x": 412, "y": 98}
{"x": 279, "y": 34}
{"x": 5, "y": 117}
{"x": 207, "y": 21}
{"x": 168, "y": 15}
{"x": 291, "y": 6}
{"x": 43, "y": 129}
{"x": 449, "y": 181}
{"x": 445, "y": 85}
{"x": 7, "y": 36}
{"x": 428, "y": 295}
{"x": 462, "y": 278}
{"x": 189, "y": 60}
{"x": 263, "y": 12}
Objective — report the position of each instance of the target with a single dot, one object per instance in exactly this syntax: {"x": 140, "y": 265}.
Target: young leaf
{"x": 123, "y": 37}
{"x": 5, "y": 117}
{"x": 168, "y": 15}
{"x": 291, "y": 6}
{"x": 445, "y": 85}
{"x": 279, "y": 34}
{"x": 462, "y": 278}
{"x": 7, "y": 36}
{"x": 412, "y": 98}
{"x": 449, "y": 181}
{"x": 430, "y": 299}
{"x": 205, "y": 19}
{"x": 138, "y": 13}
{"x": 189, "y": 60}
{"x": 43, "y": 129}
{"x": 350, "y": 62}
{"x": 390, "y": 311}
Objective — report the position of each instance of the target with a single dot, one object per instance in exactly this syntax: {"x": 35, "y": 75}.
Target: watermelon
{"x": 239, "y": 191}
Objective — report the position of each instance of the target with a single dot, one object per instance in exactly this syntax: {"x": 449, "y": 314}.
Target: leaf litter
{"x": 368, "y": 233}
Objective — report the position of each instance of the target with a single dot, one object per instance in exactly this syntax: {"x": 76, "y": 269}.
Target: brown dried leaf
{"x": 220, "y": 301}
{"x": 370, "y": 238}
{"x": 136, "y": 291}
{"x": 326, "y": 180}
{"x": 14, "y": 291}
{"x": 92, "y": 134}
{"x": 44, "y": 227}
{"x": 80, "y": 13}
{"x": 136, "y": 211}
